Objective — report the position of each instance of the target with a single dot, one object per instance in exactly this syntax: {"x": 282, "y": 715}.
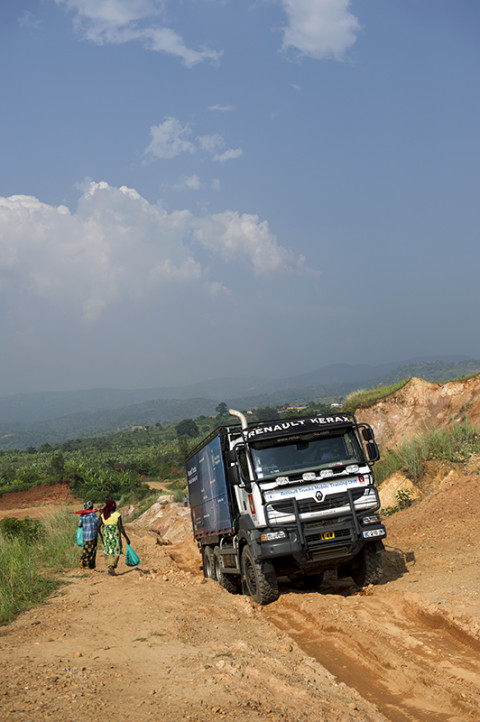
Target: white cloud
{"x": 117, "y": 246}
{"x": 236, "y": 236}
{"x": 230, "y": 154}
{"x": 171, "y": 138}
{"x": 193, "y": 183}
{"x": 320, "y": 28}
{"x": 122, "y": 21}
{"x": 211, "y": 143}
{"x": 114, "y": 13}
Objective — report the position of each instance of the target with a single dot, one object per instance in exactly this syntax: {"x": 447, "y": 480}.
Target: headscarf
{"x": 88, "y": 506}
{"x": 109, "y": 507}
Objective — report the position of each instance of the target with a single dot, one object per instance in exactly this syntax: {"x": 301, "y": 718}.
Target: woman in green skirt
{"x": 110, "y": 528}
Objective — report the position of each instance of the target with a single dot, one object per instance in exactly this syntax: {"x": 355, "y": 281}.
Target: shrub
{"x": 27, "y": 529}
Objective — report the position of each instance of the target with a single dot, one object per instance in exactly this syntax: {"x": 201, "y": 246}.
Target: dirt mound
{"x": 420, "y": 406}
{"x": 171, "y": 521}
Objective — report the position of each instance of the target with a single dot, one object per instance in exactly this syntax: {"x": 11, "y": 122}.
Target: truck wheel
{"x": 368, "y": 567}
{"x": 259, "y": 578}
{"x": 231, "y": 582}
{"x": 208, "y": 563}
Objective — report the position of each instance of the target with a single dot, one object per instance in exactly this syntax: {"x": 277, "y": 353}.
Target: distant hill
{"x": 35, "y": 419}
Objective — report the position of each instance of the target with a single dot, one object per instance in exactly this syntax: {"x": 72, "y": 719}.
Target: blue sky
{"x": 193, "y": 189}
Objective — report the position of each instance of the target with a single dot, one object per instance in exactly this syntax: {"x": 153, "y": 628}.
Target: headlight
{"x": 273, "y": 535}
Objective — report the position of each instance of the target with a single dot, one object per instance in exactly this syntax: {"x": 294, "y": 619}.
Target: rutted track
{"x": 396, "y": 650}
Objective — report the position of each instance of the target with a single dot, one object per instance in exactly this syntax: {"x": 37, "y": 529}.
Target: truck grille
{"x": 310, "y": 506}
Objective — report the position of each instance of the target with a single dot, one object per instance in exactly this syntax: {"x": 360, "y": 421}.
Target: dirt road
{"x": 161, "y": 643}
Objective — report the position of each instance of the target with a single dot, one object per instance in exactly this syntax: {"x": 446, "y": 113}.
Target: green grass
{"x": 26, "y": 565}
{"x": 364, "y": 399}
{"x": 455, "y": 443}
{"x": 142, "y": 506}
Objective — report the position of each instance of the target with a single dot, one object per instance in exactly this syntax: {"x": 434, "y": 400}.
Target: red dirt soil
{"x": 37, "y": 502}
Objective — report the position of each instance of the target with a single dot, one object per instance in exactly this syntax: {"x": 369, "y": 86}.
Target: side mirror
{"x": 367, "y": 433}
{"x": 234, "y": 477}
{"x": 372, "y": 451}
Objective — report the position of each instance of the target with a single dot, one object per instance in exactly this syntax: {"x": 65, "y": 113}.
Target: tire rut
{"x": 411, "y": 662}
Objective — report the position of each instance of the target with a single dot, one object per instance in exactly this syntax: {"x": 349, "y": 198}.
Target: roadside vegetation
{"x": 454, "y": 443}
{"x": 121, "y": 465}
{"x": 31, "y": 552}
{"x": 364, "y": 399}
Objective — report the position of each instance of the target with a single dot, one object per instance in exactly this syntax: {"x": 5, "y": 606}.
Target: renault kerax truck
{"x": 284, "y": 501}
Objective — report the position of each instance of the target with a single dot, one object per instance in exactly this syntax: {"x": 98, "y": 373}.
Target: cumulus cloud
{"x": 320, "y": 28}
{"x": 171, "y": 138}
{"x": 118, "y": 246}
{"x": 242, "y": 237}
{"x": 122, "y": 21}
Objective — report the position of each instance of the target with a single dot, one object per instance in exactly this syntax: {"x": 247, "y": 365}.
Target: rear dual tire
{"x": 231, "y": 582}
{"x": 208, "y": 562}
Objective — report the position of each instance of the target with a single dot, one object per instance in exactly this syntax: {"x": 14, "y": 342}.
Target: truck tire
{"x": 208, "y": 563}
{"x": 259, "y": 579}
{"x": 231, "y": 582}
{"x": 368, "y": 567}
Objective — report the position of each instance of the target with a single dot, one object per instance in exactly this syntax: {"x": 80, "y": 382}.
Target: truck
{"x": 286, "y": 500}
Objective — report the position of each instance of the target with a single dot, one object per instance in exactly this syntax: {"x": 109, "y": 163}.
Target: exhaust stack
{"x": 240, "y": 416}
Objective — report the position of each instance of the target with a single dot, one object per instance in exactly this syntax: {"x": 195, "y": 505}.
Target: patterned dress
{"x": 112, "y": 539}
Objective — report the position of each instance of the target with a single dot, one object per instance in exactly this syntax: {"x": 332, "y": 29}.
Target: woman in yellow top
{"x": 110, "y": 528}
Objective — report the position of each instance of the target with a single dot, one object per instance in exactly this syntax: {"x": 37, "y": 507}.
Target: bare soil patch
{"x": 420, "y": 406}
{"x": 37, "y": 502}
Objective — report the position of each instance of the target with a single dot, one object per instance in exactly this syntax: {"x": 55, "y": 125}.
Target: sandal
{"x": 112, "y": 571}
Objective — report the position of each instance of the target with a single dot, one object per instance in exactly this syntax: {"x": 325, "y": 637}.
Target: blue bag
{"x": 79, "y": 536}
{"x": 131, "y": 558}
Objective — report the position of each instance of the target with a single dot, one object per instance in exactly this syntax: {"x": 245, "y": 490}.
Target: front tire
{"x": 368, "y": 567}
{"x": 259, "y": 578}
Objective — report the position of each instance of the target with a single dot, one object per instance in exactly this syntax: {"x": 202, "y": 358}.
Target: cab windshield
{"x": 306, "y": 453}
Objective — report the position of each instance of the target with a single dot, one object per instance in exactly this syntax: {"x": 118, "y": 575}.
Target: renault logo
{"x": 319, "y": 496}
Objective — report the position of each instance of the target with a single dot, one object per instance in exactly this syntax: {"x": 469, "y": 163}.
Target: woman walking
{"x": 88, "y": 522}
{"x": 110, "y": 528}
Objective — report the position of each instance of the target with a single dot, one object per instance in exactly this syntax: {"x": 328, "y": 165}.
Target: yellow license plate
{"x": 328, "y": 535}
